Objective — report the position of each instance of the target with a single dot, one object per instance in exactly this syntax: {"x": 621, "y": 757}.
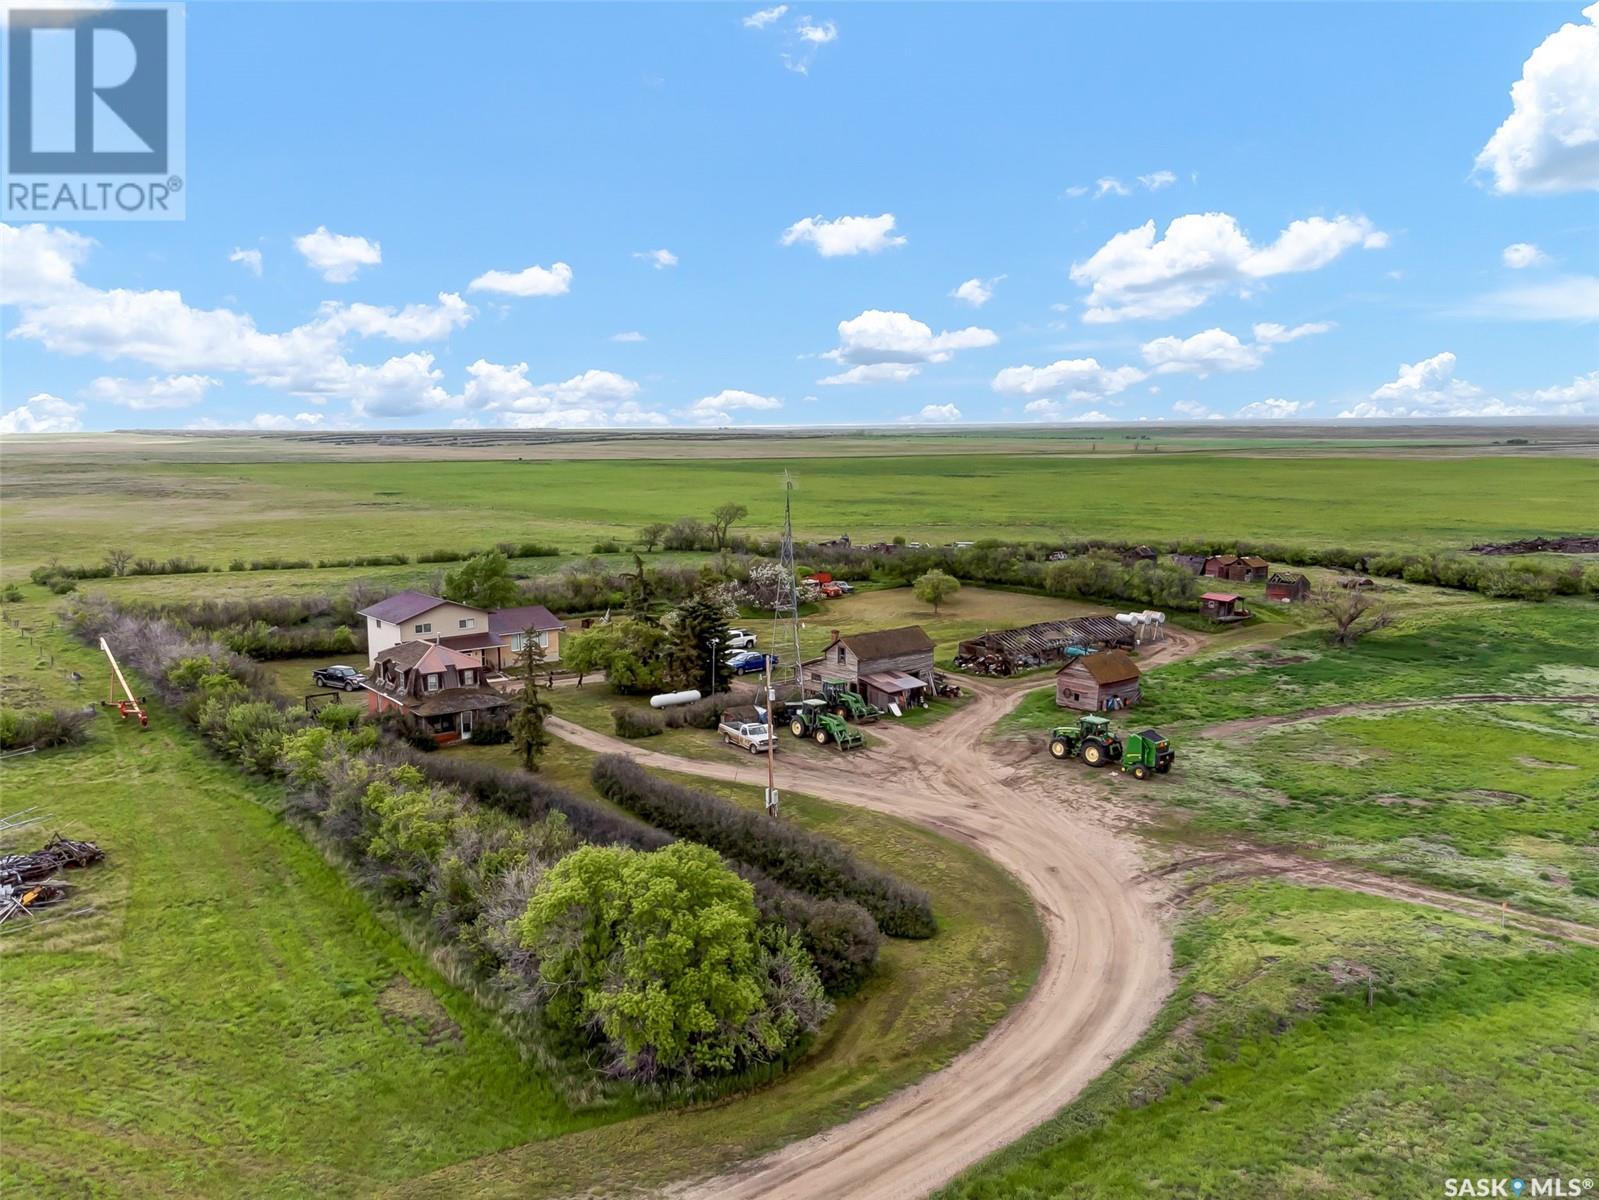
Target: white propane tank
{"x": 1125, "y": 618}
{"x": 673, "y": 699}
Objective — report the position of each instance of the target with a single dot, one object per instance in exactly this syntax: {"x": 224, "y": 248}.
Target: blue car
{"x": 750, "y": 662}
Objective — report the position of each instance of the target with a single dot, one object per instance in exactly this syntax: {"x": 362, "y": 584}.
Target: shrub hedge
{"x": 816, "y": 865}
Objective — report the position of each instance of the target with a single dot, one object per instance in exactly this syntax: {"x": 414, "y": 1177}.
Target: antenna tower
{"x": 785, "y": 616}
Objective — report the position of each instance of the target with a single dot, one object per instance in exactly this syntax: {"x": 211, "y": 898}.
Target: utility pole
{"x": 771, "y": 741}
{"x": 786, "y": 610}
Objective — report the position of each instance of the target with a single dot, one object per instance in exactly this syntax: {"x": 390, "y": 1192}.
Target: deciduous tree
{"x": 935, "y": 588}
{"x": 483, "y": 582}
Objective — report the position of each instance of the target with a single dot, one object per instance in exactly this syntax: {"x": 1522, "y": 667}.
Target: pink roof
{"x": 507, "y": 621}
{"x": 1224, "y": 596}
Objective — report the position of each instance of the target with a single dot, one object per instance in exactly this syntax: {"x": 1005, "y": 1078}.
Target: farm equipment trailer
{"x": 1094, "y": 741}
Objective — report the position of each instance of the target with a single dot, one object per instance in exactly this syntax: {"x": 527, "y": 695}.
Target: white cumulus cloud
{"x": 339, "y": 257}
{"x": 42, "y": 413}
{"x": 1211, "y": 350}
{"x": 846, "y": 235}
{"x": 170, "y": 391}
{"x": 659, "y": 259}
{"x": 1075, "y": 379}
{"x": 1272, "y": 410}
{"x": 1550, "y": 141}
{"x": 884, "y": 347}
{"x": 1138, "y": 275}
{"x": 719, "y": 409}
{"x": 1520, "y": 255}
{"x": 250, "y": 260}
{"x": 761, "y": 18}
{"x": 413, "y": 323}
{"x": 593, "y": 399}
{"x": 555, "y": 280}
{"x": 976, "y": 292}
{"x": 936, "y": 414}
{"x": 1192, "y": 408}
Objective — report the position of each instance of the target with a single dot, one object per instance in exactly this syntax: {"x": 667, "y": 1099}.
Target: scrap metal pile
{"x": 1007, "y": 651}
{"x": 28, "y": 882}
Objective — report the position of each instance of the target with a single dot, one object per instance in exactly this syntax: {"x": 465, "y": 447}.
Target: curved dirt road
{"x": 1103, "y": 979}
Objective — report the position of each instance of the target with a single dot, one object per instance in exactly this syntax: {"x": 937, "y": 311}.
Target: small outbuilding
{"x": 1223, "y": 607}
{"x": 1101, "y": 682}
{"x": 1288, "y": 587}
{"x": 1248, "y": 569}
{"x": 1217, "y": 565}
{"x": 1190, "y": 562}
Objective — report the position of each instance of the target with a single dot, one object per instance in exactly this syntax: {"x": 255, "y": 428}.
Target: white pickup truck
{"x": 740, "y": 639}
{"x": 746, "y": 735}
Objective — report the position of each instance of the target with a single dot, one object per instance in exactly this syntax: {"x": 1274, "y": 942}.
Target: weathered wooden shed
{"x": 1223, "y": 607}
{"x": 1248, "y": 569}
{"x": 1108, "y": 680}
{"x": 1289, "y": 587}
{"x": 1190, "y": 562}
{"x": 1217, "y": 564}
{"x": 1139, "y": 554}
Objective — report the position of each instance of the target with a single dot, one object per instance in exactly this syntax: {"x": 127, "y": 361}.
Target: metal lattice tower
{"x": 785, "y": 614}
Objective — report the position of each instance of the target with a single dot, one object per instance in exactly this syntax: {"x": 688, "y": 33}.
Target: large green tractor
{"x": 810, "y": 718}
{"x": 849, "y": 705}
{"x": 1092, "y": 740}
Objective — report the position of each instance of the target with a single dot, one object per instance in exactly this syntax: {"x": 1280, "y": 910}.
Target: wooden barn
{"x": 1190, "y": 562}
{"x": 1139, "y": 554}
{"x": 1248, "y": 569}
{"x": 1217, "y": 565}
{"x": 887, "y": 666}
{"x": 1101, "y": 682}
{"x": 1288, "y": 587}
{"x": 1223, "y": 607}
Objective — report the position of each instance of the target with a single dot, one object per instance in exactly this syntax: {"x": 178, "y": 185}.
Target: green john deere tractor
{"x": 1092, "y": 740}
{"x": 810, "y": 718}
{"x": 849, "y": 705}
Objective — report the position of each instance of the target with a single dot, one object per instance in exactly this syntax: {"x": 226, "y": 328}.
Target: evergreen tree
{"x": 699, "y": 637}
{"x": 527, "y": 726}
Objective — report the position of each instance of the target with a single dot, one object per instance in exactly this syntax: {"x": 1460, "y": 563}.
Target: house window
{"x": 468, "y": 622}
{"x": 469, "y": 677}
{"x": 841, "y": 654}
{"x": 424, "y": 626}
{"x": 432, "y": 683}
{"x": 518, "y": 640}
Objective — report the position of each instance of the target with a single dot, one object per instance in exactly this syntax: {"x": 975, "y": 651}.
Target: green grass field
{"x": 1267, "y": 1075}
{"x": 234, "y": 1019}
{"x": 218, "y": 510}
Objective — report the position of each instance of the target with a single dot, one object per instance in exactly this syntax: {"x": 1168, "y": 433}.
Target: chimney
{"x": 832, "y": 636}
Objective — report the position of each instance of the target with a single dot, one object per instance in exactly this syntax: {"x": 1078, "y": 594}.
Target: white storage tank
{"x": 673, "y": 699}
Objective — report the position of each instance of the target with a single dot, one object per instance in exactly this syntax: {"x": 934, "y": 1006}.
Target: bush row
{"x": 42, "y": 728}
{"x": 840, "y": 935}
{"x": 804, "y": 861}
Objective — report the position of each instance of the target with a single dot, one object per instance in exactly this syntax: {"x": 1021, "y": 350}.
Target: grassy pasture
{"x": 234, "y": 1019}
{"x": 311, "y": 509}
{"x": 1266, "y": 1074}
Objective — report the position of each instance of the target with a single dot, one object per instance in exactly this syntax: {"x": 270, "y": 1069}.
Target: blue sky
{"x": 430, "y": 215}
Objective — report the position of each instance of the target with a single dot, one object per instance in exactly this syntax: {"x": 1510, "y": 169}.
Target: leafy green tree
{"x": 659, "y": 951}
{"x": 632, "y": 653}
{"x": 483, "y": 582}
{"x": 699, "y": 636}
{"x": 935, "y": 588}
{"x": 528, "y": 733}
{"x": 652, "y": 534}
{"x": 723, "y": 518}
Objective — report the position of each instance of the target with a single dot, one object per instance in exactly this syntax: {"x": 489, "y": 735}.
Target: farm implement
{"x": 811, "y": 718}
{"x": 849, "y": 705}
{"x": 1094, "y": 741}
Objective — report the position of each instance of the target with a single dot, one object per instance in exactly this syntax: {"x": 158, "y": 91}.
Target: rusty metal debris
{"x": 28, "y": 883}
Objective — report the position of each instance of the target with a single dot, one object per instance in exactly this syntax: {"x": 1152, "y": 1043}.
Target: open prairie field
{"x": 216, "y": 511}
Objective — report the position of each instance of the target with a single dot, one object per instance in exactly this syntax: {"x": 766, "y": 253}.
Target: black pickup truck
{"x": 346, "y": 679}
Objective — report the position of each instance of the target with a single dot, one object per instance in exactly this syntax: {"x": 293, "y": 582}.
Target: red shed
{"x": 1289, "y": 587}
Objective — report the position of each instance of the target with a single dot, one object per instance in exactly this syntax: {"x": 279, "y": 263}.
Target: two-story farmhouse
{"x": 493, "y": 638}
{"x": 442, "y": 688}
{"x": 887, "y": 666}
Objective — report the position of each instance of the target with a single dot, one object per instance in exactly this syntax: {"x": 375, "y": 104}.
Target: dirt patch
{"x": 1400, "y": 801}
{"x": 1283, "y": 660}
{"x": 406, "y": 1006}
{"x": 1489, "y": 796}
{"x": 1563, "y": 545}
{"x": 1539, "y": 764}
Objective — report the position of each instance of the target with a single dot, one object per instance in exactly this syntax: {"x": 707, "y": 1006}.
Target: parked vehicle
{"x": 850, "y": 705}
{"x": 810, "y": 718}
{"x": 346, "y": 679}
{"x": 746, "y": 735}
{"x": 1092, "y": 740}
{"x": 740, "y": 639}
{"x": 749, "y": 662}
